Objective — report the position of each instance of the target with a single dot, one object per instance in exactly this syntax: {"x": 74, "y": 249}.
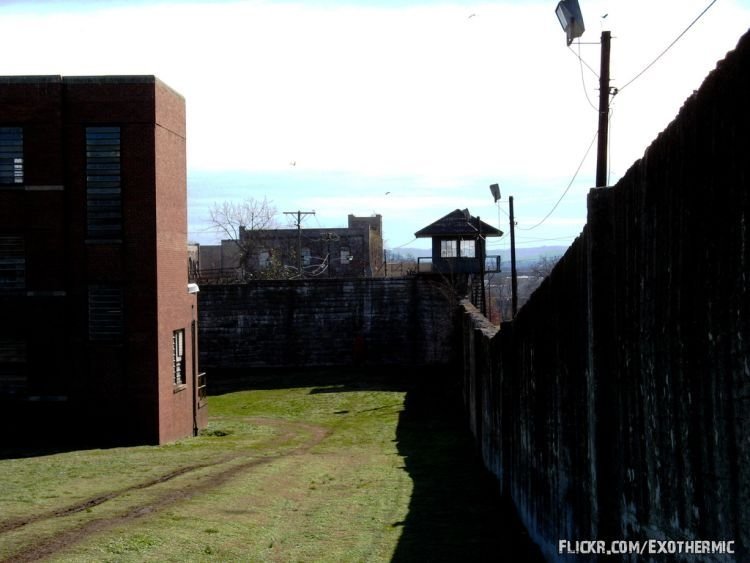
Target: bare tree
{"x": 544, "y": 266}
{"x": 238, "y": 221}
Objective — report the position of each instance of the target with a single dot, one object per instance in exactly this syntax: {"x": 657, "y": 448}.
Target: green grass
{"x": 292, "y": 474}
{"x": 322, "y": 467}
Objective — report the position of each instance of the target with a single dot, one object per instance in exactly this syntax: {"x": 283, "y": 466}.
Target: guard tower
{"x": 458, "y": 243}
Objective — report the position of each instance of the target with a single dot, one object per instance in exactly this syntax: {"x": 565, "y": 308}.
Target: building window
{"x": 468, "y": 249}
{"x": 178, "y": 356}
{"x": 105, "y": 313}
{"x": 11, "y": 155}
{"x": 13, "y": 377}
{"x": 346, "y": 257}
{"x": 12, "y": 262}
{"x": 306, "y": 256}
{"x": 264, "y": 256}
{"x": 103, "y": 183}
{"x": 448, "y": 248}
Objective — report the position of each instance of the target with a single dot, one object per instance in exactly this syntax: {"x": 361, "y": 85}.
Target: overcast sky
{"x": 409, "y": 109}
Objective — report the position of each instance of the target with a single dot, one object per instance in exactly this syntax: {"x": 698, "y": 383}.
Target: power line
{"x": 578, "y": 55}
{"x": 583, "y": 80}
{"x": 648, "y": 66}
{"x": 591, "y": 144}
{"x": 402, "y": 245}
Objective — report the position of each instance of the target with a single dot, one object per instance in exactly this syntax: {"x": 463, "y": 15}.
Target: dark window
{"x": 105, "y": 313}
{"x": 264, "y": 258}
{"x": 345, "y": 255}
{"x": 103, "y": 183}
{"x": 11, "y": 155}
{"x": 13, "y": 378}
{"x": 12, "y": 262}
{"x": 178, "y": 356}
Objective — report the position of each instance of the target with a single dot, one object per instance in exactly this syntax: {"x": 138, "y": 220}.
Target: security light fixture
{"x": 571, "y": 20}
{"x": 495, "y": 189}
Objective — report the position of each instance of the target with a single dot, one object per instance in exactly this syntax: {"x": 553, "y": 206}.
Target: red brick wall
{"x": 176, "y": 308}
{"x": 125, "y": 388}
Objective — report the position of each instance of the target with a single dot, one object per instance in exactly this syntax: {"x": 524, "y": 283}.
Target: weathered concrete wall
{"x": 617, "y": 406}
{"x": 321, "y": 322}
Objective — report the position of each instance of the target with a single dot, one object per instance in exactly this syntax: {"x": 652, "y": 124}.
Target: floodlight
{"x": 495, "y": 189}
{"x": 571, "y": 20}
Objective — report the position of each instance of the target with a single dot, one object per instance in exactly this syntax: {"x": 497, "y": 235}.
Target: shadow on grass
{"x": 456, "y": 512}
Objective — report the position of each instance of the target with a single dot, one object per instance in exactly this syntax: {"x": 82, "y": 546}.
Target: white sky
{"x": 430, "y": 101}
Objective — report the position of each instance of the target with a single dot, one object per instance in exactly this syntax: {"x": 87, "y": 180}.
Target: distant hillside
{"x": 525, "y": 257}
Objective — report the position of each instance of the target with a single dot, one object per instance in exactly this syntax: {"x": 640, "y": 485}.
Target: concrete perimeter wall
{"x": 321, "y": 322}
{"x": 617, "y": 405}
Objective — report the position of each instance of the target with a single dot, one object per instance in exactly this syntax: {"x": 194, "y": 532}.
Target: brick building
{"x": 354, "y": 251}
{"x": 99, "y": 327}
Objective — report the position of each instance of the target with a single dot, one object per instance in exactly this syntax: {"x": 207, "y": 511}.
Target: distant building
{"x": 354, "y": 251}
{"x": 99, "y": 327}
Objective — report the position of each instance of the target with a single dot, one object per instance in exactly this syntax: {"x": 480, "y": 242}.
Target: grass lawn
{"x": 314, "y": 467}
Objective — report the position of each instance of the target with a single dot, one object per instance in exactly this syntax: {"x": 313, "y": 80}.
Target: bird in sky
{"x": 471, "y": 16}
{"x": 293, "y": 163}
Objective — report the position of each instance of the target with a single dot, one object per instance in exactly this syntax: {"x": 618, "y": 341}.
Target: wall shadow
{"x": 456, "y": 512}
{"x": 35, "y": 430}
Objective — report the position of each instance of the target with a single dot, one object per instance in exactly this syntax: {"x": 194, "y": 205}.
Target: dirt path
{"x": 288, "y": 430}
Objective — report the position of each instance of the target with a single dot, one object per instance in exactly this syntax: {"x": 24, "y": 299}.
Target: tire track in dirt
{"x": 70, "y": 537}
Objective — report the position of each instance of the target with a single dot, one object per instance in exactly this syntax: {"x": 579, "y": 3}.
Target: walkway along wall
{"x": 617, "y": 405}
{"x": 327, "y": 322}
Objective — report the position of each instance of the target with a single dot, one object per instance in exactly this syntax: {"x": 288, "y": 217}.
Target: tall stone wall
{"x": 617, "y": 405}
{"x": 322, "y": 322}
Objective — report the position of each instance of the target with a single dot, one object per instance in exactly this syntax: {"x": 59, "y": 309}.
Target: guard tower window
{"x": 468, "y": 249}
{"x": 448, "y": 248}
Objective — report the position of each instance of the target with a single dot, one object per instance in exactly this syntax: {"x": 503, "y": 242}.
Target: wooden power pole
{"x": 299, "y": 215}
{"x": 513, "y": 273}
{"x": 601, "y": 152}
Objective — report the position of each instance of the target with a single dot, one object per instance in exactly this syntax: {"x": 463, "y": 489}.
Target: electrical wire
{"x": 578, "y": 55}
{"x": 402, "y": 245}
{"x": 521, "y": 239}
{"x": 660, "y": 55}
{"x": 583, "y": 80}
{"x": 580, "y": 165}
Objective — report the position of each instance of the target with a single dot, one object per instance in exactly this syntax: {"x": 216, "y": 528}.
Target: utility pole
{"x": 481, "y": 265}
{"x": 299, "y": 215}
{"x": 329, "y": 237}
{"x": 513, "y": 273}
{"x": 601, "y": 153}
